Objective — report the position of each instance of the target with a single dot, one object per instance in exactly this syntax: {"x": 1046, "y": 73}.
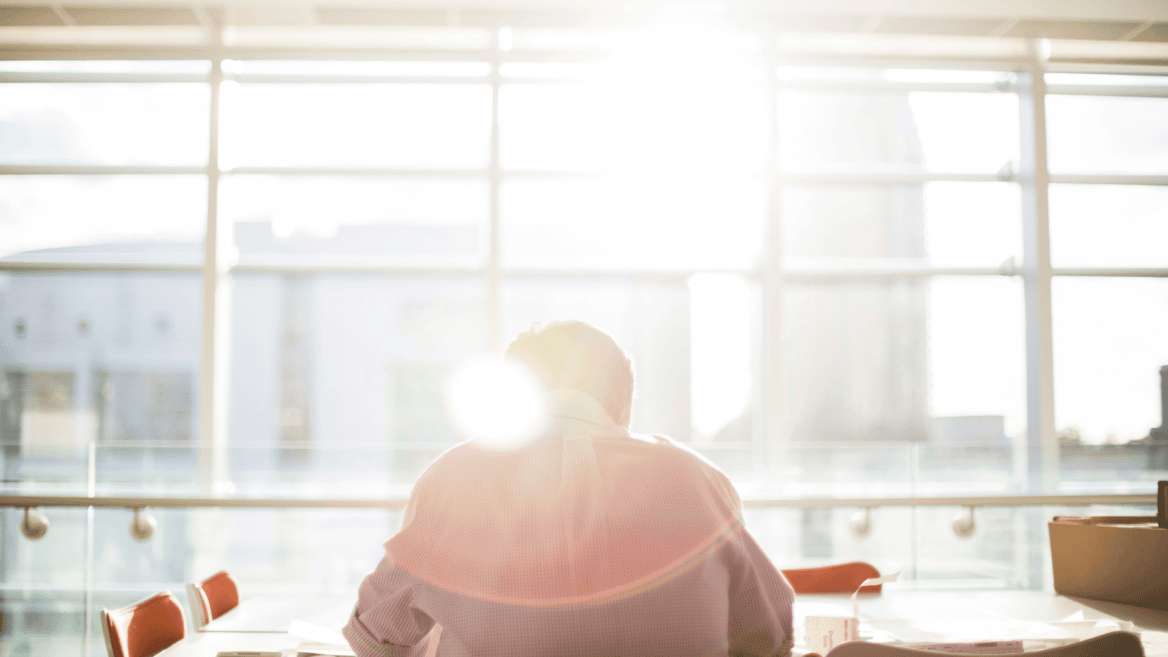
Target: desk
{"x": 941, "y": 616}
{"x": 263, "y": 620}
{"x": 272, "y": 613}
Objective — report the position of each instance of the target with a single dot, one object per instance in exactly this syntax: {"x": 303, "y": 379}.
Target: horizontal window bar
{"x": 1107, "y": 179}
{"x": 34, "y": 51}
{"x": 1131, "y": 272}
{"x": 877, "y": 86}
{"x": 801, "y": 272}
{"x": 95, "y": 266}
{"x": 104, "y": 77}
{"x": 886, "y": 177}
{"x": 131, "y": 502}
{"x": 1149, "y": 91}
{"x": 273, "y": 78}
{"x": 354, "y": 171}
{"x": 347, "y": 266}
{"x": 97, "y": 169}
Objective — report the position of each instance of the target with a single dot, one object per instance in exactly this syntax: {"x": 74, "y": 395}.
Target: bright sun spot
{"x": 498, "y": 402}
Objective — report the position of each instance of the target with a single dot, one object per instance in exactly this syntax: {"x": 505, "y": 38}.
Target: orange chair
{"x": 212, "y": 598}
{"x": 145, "y": 628}
{"x": 841, "y": 578}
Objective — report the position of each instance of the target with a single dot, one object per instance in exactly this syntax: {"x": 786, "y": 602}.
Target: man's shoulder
{"x": 686, "y": 466}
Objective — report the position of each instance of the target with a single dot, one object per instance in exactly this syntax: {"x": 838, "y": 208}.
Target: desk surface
{"x": 272, "y": 613}
{"x": 980, "y": 615}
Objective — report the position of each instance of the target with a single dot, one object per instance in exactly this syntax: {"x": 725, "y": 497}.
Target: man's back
{"x": 585, "y": 542}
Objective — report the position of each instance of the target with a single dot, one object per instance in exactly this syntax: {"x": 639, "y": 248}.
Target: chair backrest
{"x": 1112, "y": 644}
{"x": 840, "y": 578}
{"x": 212, "y": 598}
{"x": 145, "y": 628}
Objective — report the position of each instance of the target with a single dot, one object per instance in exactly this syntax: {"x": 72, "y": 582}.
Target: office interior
{"x": 897, "y": 268}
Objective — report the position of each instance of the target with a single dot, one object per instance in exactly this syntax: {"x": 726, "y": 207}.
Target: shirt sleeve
{"x": 760, "y": 605}
{"x": 386, "y": 622}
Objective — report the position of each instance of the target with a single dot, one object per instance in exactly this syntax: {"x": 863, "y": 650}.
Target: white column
{"x": 493, "y": 276}
{"x": 1041, "y": 440}
{"x": 215, "y": 357}
{"x": 771, "y": 429}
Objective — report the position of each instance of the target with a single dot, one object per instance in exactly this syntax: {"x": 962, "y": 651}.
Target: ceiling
{"x": 1112, "y": 20}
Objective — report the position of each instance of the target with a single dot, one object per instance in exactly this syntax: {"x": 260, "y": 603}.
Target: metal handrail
{"x": 134, "y": 502}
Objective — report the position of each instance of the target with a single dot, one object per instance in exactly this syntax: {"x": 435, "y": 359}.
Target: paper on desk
{"x": 871, "y": 581}
{"x": 964, "y": 630}
{"x": 316, "y": 639}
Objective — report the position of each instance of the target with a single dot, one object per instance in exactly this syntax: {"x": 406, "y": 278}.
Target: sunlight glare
{"x": 500, "y": 403}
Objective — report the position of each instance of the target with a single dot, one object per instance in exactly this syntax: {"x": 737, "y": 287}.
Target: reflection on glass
{"x": 632, "y": 222}
{"x": 1108, "y": 226}
{"x": 670, "y": 98}
{"x": 976, "y": 363}
{"x": 357, "y": 125}
{"x": 58, "y": 123}
{"x": 1089, "y": 134}
{"x": 306, "y": 218}
{"x": 939, "y": 131}
{"x": 134, "y": 218}
{"x": 105, "y": 358}
{"x": 1108, "y": 349}
{"x": 339, "y": 382}
{"x": 948, "y": 223}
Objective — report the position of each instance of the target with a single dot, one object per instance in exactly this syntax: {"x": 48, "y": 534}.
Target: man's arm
{"x": 760, "y": 604}
{"x": 386, "y": 620}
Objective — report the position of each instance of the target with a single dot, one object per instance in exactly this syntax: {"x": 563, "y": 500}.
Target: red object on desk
{"x": 840, "y": 578}
{"x": 145, "y": 628}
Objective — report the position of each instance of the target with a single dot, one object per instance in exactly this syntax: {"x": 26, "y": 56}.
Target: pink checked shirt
{"x": 587, "y": 542}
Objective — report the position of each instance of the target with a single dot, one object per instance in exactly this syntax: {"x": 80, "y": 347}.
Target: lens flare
{"x": 500, "y": 403}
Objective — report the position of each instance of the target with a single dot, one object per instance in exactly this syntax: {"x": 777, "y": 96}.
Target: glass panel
{"x": 104, "y": 218}
{"x": 929, "y": 373}
{"x": 108, "y": 123}
{"x": 632, "y": 223}
{"x": 1109, "y": 347}
{"x": 948, "y": 223}
{"x": 1108, "y": 226}
{"x": 1087, "y": 134}
{"x": 422, "y": 220}
{"x": 338, "y": 382}
{"x": 938, "y": 131}
{"x": 646, "y": 117}
{"x": 374, "y": 125}
{"x": 109, "y": 358}
{"x": 44, "y": 622}
{"x": 557, "y": 127}
{"x": 807, "y": 538}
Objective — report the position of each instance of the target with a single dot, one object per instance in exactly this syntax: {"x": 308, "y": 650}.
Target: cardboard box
{"x": 1126, "y": 561}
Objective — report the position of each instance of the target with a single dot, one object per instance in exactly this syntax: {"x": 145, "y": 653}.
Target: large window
{"x": 835, "y": 280}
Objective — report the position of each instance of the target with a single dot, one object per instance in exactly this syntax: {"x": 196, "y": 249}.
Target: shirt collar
{"x": 573, "y": 412}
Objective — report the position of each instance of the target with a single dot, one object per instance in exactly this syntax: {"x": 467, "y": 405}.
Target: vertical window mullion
{"x": 214, "y": 361}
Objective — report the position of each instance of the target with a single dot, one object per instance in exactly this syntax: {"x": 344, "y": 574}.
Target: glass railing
{"x": 261, "y": 514}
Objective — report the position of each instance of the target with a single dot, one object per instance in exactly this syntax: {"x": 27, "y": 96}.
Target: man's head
{"x": 581, "y": 357}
